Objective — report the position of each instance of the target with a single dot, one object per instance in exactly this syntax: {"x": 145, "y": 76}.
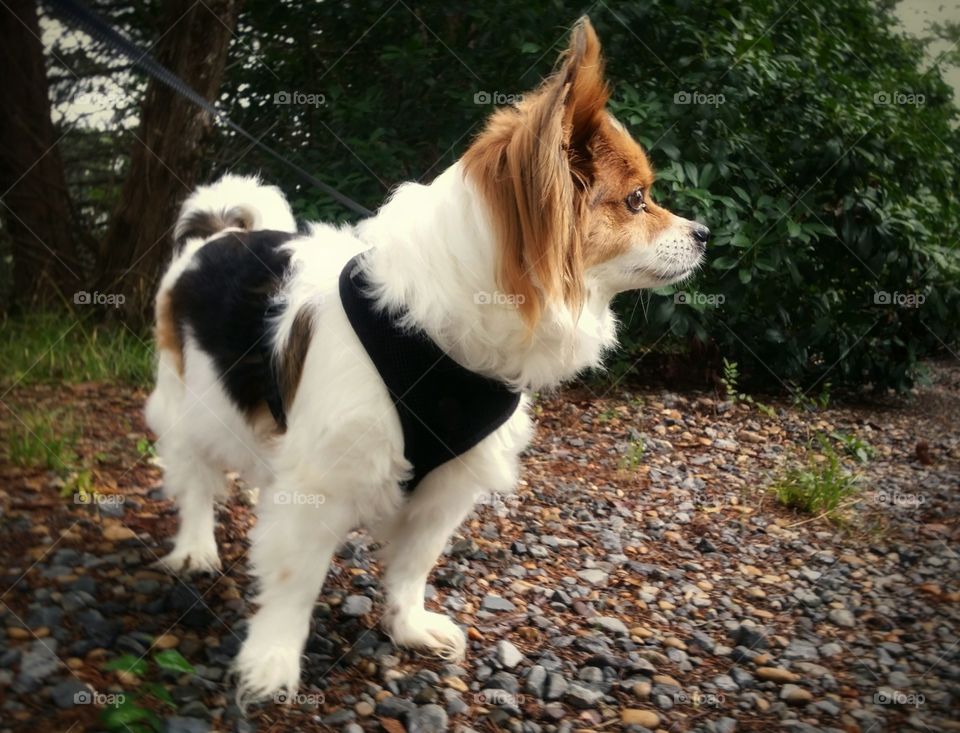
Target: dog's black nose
{"x": 701, "y": 234}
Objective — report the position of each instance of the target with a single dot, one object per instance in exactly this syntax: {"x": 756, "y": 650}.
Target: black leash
{"x": 81, "y": 16}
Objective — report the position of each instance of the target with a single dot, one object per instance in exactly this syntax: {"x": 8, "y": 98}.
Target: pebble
{"x": 508, "y": 654}
{"x": 634, "y": 716}
{"x": 842, "y": 617}
{"x": 794, "y": 695}
{"x": 776, "y": 674}
{"x": 71, "y": 692}
{"x": 492, "y": 602}
{"x": 611, "y": 625}
{"x": 356, "y": 605}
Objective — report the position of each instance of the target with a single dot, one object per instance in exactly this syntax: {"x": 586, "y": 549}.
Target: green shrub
{"x": 769, "y": 120}
{"x": 819, "y": 486}
{"x": 834, "y": 211}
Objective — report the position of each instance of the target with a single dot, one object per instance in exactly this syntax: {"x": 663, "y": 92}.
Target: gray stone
{"x": 39, "y": 662}
{"x": 536, "y": 681}
{"x": 798, "y": 649}
{"x": 582, "y": 697}
{"x": 611, "y": 625}
{"x": 356, "y": 605}
{"x": 726, "y": 683}
{"x": 427, "y": 719}
{"x": 180, "y": 724}
{"x": 493, "y": 602}
{"x": 593, "y": 576}
{"x": 842, "y": 617}
{"x": 556, "y": 687}
{"x": 725, "y": 725}
{"x": 394, "y": 707}
{"x": 508, "y": 654}
{"x": 71, "y": 692}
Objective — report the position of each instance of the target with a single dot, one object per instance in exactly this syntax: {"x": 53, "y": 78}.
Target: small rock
{"x": 611, "y": 625}
{"x": 427, "y": 719}
{"x": 582, "y": 697}
{"x": 356, "y": 605}
{"x": 508, "y": 654}
{"x": 594, "y": 576}
{"x": 118, "y": 533}
{"x": 794, "y": 695}
{"x": 645, "y": 718}
{"x": 71, "y": 692}
{"x": 492, "y": 602}
{"x": 179, "y": 724}
{"x": 842, "y": 617}
{"x": 776, "y": 674}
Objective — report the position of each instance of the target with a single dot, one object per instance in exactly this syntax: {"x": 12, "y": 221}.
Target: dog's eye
{"x": 635, "y": 201}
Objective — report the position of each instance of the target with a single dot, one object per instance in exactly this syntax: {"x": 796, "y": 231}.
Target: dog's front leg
{"x": 413, "y": 544}
{"x": 293, "y": 542}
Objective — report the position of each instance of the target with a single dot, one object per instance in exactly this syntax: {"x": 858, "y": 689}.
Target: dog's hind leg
{"x": 194, "y": 484}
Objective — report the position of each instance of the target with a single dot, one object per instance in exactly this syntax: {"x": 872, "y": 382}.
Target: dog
{"x": 504, "y": 267}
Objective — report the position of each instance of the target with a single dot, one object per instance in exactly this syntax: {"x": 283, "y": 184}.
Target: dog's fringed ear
{"x": 587, "y": 93}
{"x": 524, "y": 163}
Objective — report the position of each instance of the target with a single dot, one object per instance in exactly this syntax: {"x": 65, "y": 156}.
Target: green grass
{"x": 634, "y": 455}
{"x": 854, "y": 446}
{"x": 818, "y": 487}
{"x": 44, "y": 441}
{"x": 56, "y": 347}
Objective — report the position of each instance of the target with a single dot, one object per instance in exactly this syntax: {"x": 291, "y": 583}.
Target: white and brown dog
{"x": 280, "y": 361}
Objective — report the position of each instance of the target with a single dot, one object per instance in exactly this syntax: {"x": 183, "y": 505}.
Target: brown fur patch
{"x": 554, "y": 172}
{"x": 166, "y": 333}
{"x": 619, "y": 167}
{"x": 203, "y": 224}
{"x": 291, "y": 365}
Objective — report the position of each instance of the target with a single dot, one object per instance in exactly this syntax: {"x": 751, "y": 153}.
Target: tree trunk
{"x": 35, "y": 204}
{"x": 167, "y": 152}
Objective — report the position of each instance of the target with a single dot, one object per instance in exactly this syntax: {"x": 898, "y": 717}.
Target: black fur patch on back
{"x": 222, "y": 301}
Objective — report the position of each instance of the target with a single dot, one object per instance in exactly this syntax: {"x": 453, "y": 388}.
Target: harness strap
{"x": 444, "y": 408}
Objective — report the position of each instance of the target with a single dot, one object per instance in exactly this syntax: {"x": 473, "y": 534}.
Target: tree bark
{"x": 167, "y": 152}
{"x": 40, "y": 224}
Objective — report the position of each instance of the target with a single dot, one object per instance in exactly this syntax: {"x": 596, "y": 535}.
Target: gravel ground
{"x": 643, "y": 578}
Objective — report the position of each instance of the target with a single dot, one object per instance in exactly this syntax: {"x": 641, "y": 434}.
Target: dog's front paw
{"x": 423, "y": 629}
{"x": 266, "y": 671}
{"x": 189, "y": 560}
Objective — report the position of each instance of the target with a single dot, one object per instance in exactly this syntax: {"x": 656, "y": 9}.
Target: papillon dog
{"x": 504, "y": 267}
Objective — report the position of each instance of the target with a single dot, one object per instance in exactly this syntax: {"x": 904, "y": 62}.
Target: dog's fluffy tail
{"x": 233, "y": 202}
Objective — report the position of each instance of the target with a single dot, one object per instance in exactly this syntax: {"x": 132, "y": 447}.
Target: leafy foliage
{"x": 810, "y": 137}
{"x": 819, "y": 486}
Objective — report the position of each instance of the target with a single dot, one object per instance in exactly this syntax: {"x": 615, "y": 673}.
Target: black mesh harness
{"x": 444, "y": 408}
